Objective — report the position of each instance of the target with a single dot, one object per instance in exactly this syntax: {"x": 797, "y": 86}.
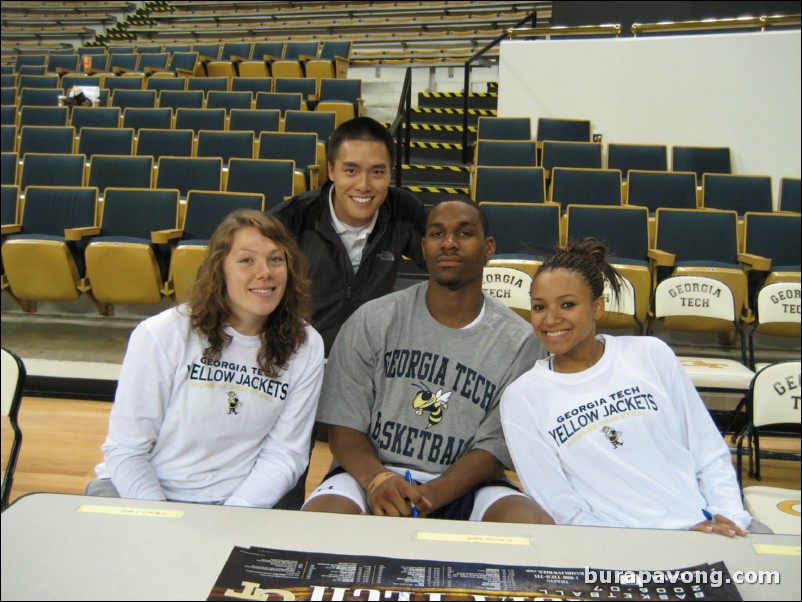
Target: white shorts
{"x": 346, "y": 486}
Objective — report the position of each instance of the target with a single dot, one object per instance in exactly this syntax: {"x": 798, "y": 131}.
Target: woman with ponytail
{"x": 610, "y": 431}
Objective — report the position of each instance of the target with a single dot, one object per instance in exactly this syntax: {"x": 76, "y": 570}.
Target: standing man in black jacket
{"x": 355, "y": 228}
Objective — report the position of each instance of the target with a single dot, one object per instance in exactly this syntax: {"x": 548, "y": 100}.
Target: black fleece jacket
{"x": 336, "y": 290}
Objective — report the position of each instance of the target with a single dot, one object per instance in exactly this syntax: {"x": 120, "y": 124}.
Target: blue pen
{"x": 408, "y": 477}
{"x": 708, "y": 516}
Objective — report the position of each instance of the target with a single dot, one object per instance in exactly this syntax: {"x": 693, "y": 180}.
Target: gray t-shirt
{"x": 425, "y": 394}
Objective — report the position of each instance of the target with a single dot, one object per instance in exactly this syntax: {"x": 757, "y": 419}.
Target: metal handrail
{"x": 578, "y": 30}
{"x": 467, "y": 79}
{"x": 713, "y": 24}
{"x": 403, "y": 115}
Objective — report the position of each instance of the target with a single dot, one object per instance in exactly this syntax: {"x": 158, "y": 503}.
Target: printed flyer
{"x": 267, "y": 574}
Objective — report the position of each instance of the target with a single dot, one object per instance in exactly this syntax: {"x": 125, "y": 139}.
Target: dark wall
{"x": 627, "y": 13}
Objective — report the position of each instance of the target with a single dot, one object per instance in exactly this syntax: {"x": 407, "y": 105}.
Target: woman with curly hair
{"x": 609, "y": 431}
{"x": 217, "y": 398}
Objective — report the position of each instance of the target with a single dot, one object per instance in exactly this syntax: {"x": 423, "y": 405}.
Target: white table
{"x": 124, "y": 549}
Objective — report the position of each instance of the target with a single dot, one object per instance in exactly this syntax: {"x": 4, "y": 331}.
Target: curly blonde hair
{"x": 285, "y": 329}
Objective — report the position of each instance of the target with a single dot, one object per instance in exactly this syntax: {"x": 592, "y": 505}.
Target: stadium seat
{"x": 181, "y": 99}
{"x": 584, "y": 186}
{"x": 332, "y": 62}
{"x": 275, "y": 179}
{"x": 139, "y": 99}
{"x": 200, "y": 119}
{"x": 307, "y": 88}
{"x": 525, "y": 233}
{"x": 776, "y": 313}
{"x": 701, "y": 160}
{"x": 113, "y": 171}
{"x": 790, "y": 197}
{"x": 278, "y": 101}
{"x": 214, "y": 143}
{"x": 343, "y": 97}
{"x": 46, "y": 139}
{"x": 772, "y": 402}
{"x": 124, "y": 265}
{"x": 106, "y": 141}
{"x": 44, "y": 116}
{"x": 152, "y": 119}
{"x": 739, "y": 193}
{"x": 504, "y": 128}
{"x": 254, "y": 120}
{"x": 509, "y": 286}
{"x": 41, "y": 263}
{"x": 95, "y": 117}
{"x": 509, "y": 184}
{"x": 204, "y": 212}
{"x": 702, "y": 243}
{"x": 643, "y": 157}
{"x": 506, "y": 153}
{"x": 587, "y": 155}
{"x": 252, "y": 84}
{"x": 42, "y": 169}
{"x": 299, "y": 148}
{"x": 189, "y": 173}
{"x": 625, "y": 231}
{"x": 229, "y": 100}
{"x": 162, "y": 142}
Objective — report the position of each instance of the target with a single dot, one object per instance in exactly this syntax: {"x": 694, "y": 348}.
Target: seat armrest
{"x": 11, "y": 229}
{"x": 341, "y": 67}
{"x": 81, "y": 233}
{"x": 314, "y": 171}
{"x": 662, "y": 258}
{"x": 755, "y": 262}
{"x": 163, "y": 237}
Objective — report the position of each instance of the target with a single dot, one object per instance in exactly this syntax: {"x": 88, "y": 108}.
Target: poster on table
{"x": 267, "y": 574}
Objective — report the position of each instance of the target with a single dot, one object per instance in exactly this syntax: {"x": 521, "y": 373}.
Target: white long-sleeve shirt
{"x": 182, "y": 429}
{"x": 626, "y": 443}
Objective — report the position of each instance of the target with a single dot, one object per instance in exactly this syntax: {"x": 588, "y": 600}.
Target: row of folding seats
{"x": 90, "y": 62}
{"x": 650, "y": 189}
{"x": 687, "y": 243}
{"x": 253, "y": 59}
{"x": 304, "y": 148}
{"x": 569, "y": 143}
{"x": 29, "y": 90}
{"x": 624, "y": 157}
{"x": 144, "y": 246}
{"x": 239, "y": 92}
{"x": 281, "y": 178}
{"x": 38, "y": 106}
{"x": 359, "y": 27}
{"x": 322, "y": 123}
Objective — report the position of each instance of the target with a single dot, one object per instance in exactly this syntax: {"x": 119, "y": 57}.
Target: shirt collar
{"x": 340, "y": 226}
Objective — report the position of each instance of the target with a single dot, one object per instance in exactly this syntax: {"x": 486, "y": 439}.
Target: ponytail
{"x": 587, "y": 257}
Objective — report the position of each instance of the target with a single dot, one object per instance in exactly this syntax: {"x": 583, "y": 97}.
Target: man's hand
{"x": 390, "y": 495}
{"x": 721, "y": 525}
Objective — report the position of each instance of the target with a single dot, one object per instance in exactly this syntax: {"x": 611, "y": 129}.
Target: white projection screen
{"x": 740, "y": 90}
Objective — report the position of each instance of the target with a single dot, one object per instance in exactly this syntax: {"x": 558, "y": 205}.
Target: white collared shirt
{"x": 354, "y": 237}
